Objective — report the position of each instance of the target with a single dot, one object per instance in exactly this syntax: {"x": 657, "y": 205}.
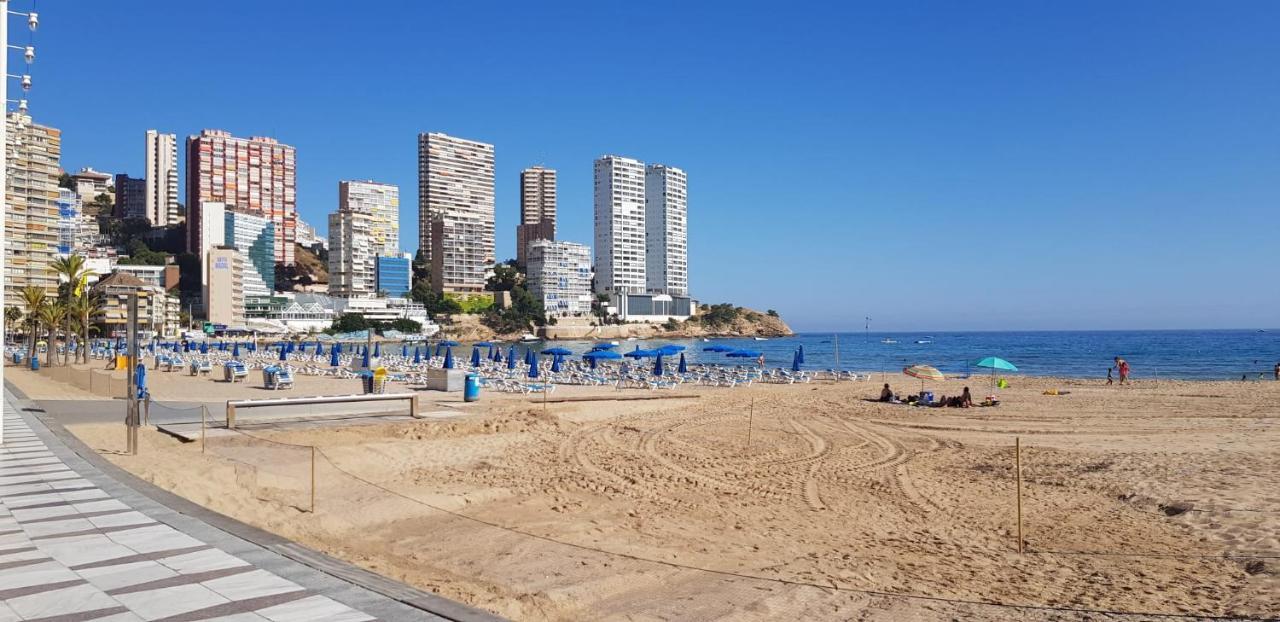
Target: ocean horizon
{"x": 1213, "y": 354}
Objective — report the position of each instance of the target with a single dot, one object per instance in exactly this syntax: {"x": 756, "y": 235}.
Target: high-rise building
{"x": 131, "y": 197}
{"x": 394, "y": 276}
{"x": 537, "y": 209}
{"x": 381, "y": 203}
{"x": 31, "y": 206}
{"x": 162, "y": 179}
{"x": 212, "y": 222}
{"x": 224, "y": 287}
{"x": 254, "y": 175}
{"x": 666, "y": 230}
{"x": 619, "y": 225}
{"x": 69, "y": 221}
{"x": 352, "y": 256}
{"x": 254, "y": 237}
{"x": 559, "y": 275}
{"x": 455, "y": 210}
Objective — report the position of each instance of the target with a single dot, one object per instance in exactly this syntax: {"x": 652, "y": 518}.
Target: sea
{"x": 1172, "y": 354}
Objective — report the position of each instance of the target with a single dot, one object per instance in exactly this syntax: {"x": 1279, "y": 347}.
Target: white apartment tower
{"x": 352, "y": 255}
{"x": 666, "y": 230}
{"x": 456, "y": 210}
{"x": 619, "y": 226}
{"x": 162, "y": 179}
{"x": 381, "y": 204}
{"x": 560, "y": 276}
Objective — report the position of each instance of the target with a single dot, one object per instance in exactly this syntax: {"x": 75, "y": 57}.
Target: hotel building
{"x": 456, "y": 210}
{"x": 537, "y": 209}
{"x": 666, "y": 230}
{"x": 352, "y": 256}
{"x": 254, "y": 237}
{"x": 619, "y": 225}
{"x": 31, "y": 217}
{"x": 559, "y": 275}
{"x": 254, "y": 175}
{"x": 162, "y": 179}
{"x": 381, "y": 204}
{"x": 224, "y": 286}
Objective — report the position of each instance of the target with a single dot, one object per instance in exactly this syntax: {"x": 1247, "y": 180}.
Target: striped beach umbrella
{"x": 924, "y": 372}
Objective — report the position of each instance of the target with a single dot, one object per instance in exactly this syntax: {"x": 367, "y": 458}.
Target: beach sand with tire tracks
{"x": 1157, "y": 498}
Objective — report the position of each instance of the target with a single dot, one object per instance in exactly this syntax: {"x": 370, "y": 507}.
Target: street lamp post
{"x": 29, "y": 55}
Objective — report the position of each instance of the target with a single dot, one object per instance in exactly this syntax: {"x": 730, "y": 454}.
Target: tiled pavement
{"x": 72, "y": 551}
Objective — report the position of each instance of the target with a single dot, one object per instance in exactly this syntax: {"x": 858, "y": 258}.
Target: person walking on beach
{"x": 1123, "y": 367}
{"x": 1109, "y": 380}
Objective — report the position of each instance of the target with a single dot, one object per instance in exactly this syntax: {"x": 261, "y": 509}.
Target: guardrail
{"x": 234, "y": 405}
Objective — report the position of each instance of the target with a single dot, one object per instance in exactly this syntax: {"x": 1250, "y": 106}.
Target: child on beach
{"x": 1109, "y": 381}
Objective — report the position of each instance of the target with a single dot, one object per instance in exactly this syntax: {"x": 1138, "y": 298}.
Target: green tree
{"x": 52, "y": 314}
{"x": 522, "y": 315}
{"x": 34, "y": 299}
{"x": 506, "y": 276}
{"x": 771, "y": 313}
{"x": 350, "y": 322}
{"x": 65, "y": 181}
{"x": 73, "y": 269}
{"x": 12, "y": 317}
{"x": 141, "y": 255}
{"x": 421, "y": 268}
{"x": 81, "y": 310}
{"x": 406, "y": 325}
{"x": 436, "y": 304}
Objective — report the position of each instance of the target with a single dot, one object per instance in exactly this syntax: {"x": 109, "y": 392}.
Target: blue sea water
{"x": 1182, "y": 354}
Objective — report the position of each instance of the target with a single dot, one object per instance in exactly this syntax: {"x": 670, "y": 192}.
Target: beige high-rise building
{"x": 537, "y": 209}
{"x": 162, "y": 179}
{"x": 381, "y": 203}
{"x": 31, "y": 219}
{"x": 254, "y": 175}
{"x": 352, "y": 255}
{"x": 224, "y": 289}
{"x": 666, "y": 224}
{"x": 456, "y": 210}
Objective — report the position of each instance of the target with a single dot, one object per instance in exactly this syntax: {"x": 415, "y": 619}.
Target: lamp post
{"x": 29, "y": 55}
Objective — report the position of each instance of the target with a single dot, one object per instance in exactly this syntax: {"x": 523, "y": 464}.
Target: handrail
{"x": 233, "y": 405}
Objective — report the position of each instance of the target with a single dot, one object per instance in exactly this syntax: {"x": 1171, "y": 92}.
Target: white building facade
{"x": 254, "y": 238}
{"x": 352, "y": 255}
{"x": 619, "y": 225}
{"x": 381, "y": 204}
{"x": 456, "y": 210}
{"x": 213, "y": 225}
{"x": 559, "y": 275}
{"x": 162, "y": 179}
{"x": 666, "y": 230}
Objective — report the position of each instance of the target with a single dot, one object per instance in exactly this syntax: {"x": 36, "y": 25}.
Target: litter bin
{"x": 17, "y": 358}
{"x": 35, "y": 363}
{"x": 366, "y": 380}
{"x": 471, "y": 390}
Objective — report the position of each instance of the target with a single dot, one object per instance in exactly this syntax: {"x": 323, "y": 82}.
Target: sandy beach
{"x": 803, "y": 501}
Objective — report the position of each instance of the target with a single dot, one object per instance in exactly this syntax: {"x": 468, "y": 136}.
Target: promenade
{"x": 75, "y": 544}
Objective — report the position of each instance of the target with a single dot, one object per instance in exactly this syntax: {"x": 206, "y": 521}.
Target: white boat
{"x": 760, "y": 339}
{"x": 631, "y": 338}
{"x": 888, "y": 340}
{"x": 705, "y": 340}
{"x": 924, "y": 341}
{"x": 615, "y": 343}
{"x": 528, "y": 337}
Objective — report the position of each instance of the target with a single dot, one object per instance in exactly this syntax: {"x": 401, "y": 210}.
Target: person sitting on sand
{"x": 965, "y": 400}
{"x": 886, "y": 394}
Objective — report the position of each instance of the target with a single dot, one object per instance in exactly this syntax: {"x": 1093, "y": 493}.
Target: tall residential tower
{"x": 619, "y": 225}
{"x": 381, "y": 203}
{"x": 537, "y": 209}
{"x": 30, "y": 206}
{"x": 162, "y": 179}
{"x": 455, "y": 210}
{"x": 254, "y": 175}
{"x": 666, "y": 230}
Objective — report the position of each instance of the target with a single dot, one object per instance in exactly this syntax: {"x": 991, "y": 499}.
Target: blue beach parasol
{"x": 377, "y": 349}
{"x": 657, "y": 366}
{"x": 795, "y": 361}
{"x": 475, "y": 357}
{"x": 533, "y": 367}
{"x": 555, "y": 365}
{"x": 800, "y": 354}
{"x": 365, "y": 358}
{"x": 557, "y": 352}
{"x": 417, "y": 356}
{"x": 333, "y": 355}
{"x": 684, "y": 369}
{"x": 511, "y": 358}
{"x": 448, "y": 358}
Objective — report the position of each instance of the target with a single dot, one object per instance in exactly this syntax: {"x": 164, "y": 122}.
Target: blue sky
{"x": 935, "y": 165}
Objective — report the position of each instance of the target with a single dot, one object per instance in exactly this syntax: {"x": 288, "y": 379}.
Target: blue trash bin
{"x": 471, "y": 389}
{"x": 35, "y": 363}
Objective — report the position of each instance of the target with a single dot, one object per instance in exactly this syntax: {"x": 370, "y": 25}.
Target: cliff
{"x": 713, "y": 321}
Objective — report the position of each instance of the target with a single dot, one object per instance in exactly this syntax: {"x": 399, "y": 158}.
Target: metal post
{"x": 204, "y": 411}
{"x": 836, "y": 337}
{"x": 146, "y": 409}
{"x": 313, "y": 479}
{"x": 231, "y": 415}
{"x": 131, "y": 360}
{"x": 750, "y": 416}
{"x": 1017, "y": 467}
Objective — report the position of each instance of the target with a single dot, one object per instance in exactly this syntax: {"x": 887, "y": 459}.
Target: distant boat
{"x": 760, "y": 339}
{"x": 924, "y": 341}
{"x": 631, "y": 338}
{"x": 887, "y": 340}
{"x": 1262, "y": 330}
{"x": 528, "y": 337}
{"x": 705, "y": 339}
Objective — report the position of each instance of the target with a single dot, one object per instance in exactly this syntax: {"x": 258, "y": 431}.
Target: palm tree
{"x": 52, "y": 315}
{"x": 12, "y": 316}
{"x": 33, "y": 298}
{"x": 81, "y": 310}
{"x": 73, "y": 268}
